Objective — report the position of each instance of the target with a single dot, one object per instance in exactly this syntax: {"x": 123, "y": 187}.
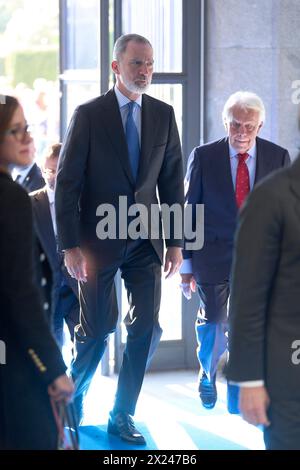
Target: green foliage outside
{"x": 25, "y": 66}
{"x": 29, "y": 41}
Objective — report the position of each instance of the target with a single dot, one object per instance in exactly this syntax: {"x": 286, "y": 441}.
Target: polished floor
{"x": 170, "y": 416}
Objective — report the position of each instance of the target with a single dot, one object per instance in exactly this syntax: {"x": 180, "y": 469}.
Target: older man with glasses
{"x": 220, "y": 175}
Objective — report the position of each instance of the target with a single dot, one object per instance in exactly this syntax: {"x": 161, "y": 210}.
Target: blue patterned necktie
{"x": 132, "y": 138}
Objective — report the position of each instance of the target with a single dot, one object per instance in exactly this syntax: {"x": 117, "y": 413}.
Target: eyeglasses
{"x": 49, "y": 171}
{"x": 238, "y": 125}
{"x": 19, "y": 133}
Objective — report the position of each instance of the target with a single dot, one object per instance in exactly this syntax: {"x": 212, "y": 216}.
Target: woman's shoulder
{"x": 12, "y": 195}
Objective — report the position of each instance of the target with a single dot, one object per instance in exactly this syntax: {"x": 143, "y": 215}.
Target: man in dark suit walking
{"x": 120, "y": 149}
{"x": 65, "y": 304}
{"x": 264, "y": 313}
{"x": 219, "y": 176}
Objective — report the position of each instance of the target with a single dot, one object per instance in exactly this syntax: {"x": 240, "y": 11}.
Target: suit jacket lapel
{"x": 29, "y": 177}
{"x": 114, "y": 128}
{"x": 263, "y": 166}
{"x": 223, "y": 172}
{"x": 150, "y": 121}
{"x": 44, "y": 223}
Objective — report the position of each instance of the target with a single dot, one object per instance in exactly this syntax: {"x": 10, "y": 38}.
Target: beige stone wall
{"x": 254, "y": 45}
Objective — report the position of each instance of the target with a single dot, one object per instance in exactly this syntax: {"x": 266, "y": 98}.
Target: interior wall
{"x": 255, "y": 45}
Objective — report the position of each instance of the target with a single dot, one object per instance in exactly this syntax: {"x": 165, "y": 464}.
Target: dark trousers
{"x": 284, "y": 430}
{"x": 211, "y": 325}
{"x": 141, "y": 270}
{"x": 67, "y": 309}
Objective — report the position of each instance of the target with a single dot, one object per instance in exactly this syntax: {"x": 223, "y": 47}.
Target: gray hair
{"x": 122, "y": 42}
{"x": 245, "y": 100}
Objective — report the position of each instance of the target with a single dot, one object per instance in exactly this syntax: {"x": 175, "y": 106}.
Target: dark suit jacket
{"x": 44, "y": 230}
{"x": 94, "y": 169}
{"x": 265, "y": 298}
{"x": 209, "y": 182}
{"x": 33, "y": 359}
{"x": 33, "y": 180}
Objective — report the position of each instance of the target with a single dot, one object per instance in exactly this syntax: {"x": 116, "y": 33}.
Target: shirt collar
{"x": 21, "y": 170}
{"x": 251, "y": 152}
{"x": 123, "y": 100}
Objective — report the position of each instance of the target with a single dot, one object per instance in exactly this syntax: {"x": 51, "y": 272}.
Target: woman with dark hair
{"x": 31, "y": 368}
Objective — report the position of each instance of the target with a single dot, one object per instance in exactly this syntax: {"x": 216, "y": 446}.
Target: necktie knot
{"x": 131, "y": 106}
{"x": 242, "y": 157}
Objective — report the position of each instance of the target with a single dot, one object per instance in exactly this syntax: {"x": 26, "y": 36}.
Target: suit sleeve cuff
{"x": 249, "y": 383}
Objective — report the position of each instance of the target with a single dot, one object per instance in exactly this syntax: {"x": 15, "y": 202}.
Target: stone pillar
{"x": 255, "y": 45}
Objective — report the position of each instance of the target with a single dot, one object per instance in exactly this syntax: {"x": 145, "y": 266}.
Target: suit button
{"x": 46, "y": 306}
{"x": 43, "y": 281}
{"x": 42, "y": 257}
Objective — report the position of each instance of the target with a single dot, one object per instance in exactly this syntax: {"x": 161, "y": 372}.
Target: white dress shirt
{"x": 50, "y": 194}
{"x": 22, "y": 172}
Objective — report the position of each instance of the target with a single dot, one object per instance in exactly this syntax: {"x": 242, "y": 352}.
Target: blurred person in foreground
{"x": 31, "y": 368}
{"x": 264, "y": 313}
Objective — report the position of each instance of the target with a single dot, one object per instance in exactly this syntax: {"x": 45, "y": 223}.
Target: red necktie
{"x": 242, "y": 185}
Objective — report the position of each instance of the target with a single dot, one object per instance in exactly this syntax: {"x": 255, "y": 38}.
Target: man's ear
{"x": 260, "y": 126}
{"x": 115, "y": 67}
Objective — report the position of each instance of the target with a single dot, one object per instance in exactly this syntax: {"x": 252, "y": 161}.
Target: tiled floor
{"x": 170, "y": 416}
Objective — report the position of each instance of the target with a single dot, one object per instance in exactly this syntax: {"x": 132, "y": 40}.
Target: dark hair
{"x": 8, "y": 106}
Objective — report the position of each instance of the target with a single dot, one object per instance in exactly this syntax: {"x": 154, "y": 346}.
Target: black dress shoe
{"x": 208, "y": 391}
{"x": 121, "y": 424}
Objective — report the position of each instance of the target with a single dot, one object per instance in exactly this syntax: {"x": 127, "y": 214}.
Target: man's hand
{"x": 253, "y": 404}
{"x": 188, "y": 285}
{"x": 75, "y": 263}
{"x": 173, "y": 260}
{"x": 61, "y": 389}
